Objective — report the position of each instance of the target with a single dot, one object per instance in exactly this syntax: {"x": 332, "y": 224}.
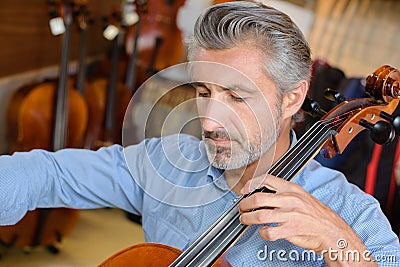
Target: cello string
{"x": 304, "y": 142}
{"x": 239, "y": 225}
{"x": 302, "y": 159}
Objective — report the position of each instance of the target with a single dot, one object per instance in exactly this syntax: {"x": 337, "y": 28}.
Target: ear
{"x": 292, "y": 101}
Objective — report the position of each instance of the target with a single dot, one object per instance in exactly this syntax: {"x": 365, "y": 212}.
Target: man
{"x": 250, "y": 66}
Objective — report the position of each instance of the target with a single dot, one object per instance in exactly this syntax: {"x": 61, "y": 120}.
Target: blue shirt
{"x": 170, "y": 182}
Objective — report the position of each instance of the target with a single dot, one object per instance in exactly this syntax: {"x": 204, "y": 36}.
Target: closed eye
{"x": 203, "y": 94}
{"x": 238, "y": 99}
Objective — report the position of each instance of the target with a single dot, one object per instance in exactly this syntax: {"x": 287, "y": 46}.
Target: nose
{"x": 209, "y": 124}
{"x": 212, "y": 114}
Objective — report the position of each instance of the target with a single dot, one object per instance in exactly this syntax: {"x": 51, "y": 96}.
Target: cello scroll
{"x": 373, "y": 112}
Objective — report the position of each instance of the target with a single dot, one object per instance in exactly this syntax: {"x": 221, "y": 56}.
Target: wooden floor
{"x": 98, "y": 234}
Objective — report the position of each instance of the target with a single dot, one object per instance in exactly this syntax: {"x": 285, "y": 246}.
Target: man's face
{"x": 238, "y": 106}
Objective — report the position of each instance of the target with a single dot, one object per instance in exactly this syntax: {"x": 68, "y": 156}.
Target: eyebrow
{"x": 198, "y": 84}
{"x": 233, "y": 88}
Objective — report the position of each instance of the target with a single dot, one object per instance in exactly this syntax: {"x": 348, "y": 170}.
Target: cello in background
{"x": 155, "y": 41}
{"x": 112, "y": 95}
{"x": 94, "y": 95}
{"x": 59, "y": 115}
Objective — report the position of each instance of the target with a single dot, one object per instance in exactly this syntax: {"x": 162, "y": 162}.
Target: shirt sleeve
{"x": 74, "y": 178}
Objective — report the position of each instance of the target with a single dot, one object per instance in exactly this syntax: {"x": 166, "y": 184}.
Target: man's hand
{"x": 301, "y": 218}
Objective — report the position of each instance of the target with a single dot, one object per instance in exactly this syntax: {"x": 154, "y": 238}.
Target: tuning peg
{"x": 312, "y": 107}
{"x": 381, "y": 132}
{"x": 53, "y": 13}
{"x": 395, "y": 121}
{"x": 334, "y": 96}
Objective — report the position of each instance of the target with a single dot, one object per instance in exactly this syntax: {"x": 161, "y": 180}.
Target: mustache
{"x": 221, "y": 134}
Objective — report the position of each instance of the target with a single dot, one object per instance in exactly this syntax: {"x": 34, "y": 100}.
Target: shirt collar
{"x": 216, "y": 176}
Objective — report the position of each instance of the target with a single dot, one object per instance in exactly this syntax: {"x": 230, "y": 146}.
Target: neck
{"x": 237, "y": 178}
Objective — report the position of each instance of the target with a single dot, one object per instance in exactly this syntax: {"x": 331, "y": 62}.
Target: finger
{"x": 283, "y": 201}
{"x": 271, "y": 233}
{"x": 259, "y": 200}
{"x": 263, "y": 216}
{"x": 271, "y": 182}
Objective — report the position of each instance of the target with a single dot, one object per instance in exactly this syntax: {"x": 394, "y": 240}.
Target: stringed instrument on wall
{"x": 47, "y": 116}
{"x": 331, "y": 134}
{"x": 113, "y": 95}
{"x": 155, "y": 42}
{"x": 94, "y": 95}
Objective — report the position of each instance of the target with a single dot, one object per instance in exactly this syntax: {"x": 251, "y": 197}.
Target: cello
{"x": 59, "y": 115}
{"x": 94, "y": 95}
{"x": 155, "y": 42}
{"x": 330, "y": 135}
{"x": 112, "y": 96}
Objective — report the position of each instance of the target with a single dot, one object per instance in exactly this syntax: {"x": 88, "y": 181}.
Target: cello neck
{"x": 109, "y": 119}
{"x": 59, "y": 131}
{"x": 83, "y": 30}
{"x": 227, "y": 229}
{"x": 130, "y": 81}
{"x": 80, "y": 83}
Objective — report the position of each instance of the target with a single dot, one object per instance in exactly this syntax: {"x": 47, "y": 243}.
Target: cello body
{"x": 31, "y": 108}
{"x": 150, "y": 255}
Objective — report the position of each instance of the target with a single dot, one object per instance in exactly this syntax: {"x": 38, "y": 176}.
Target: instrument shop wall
{"x": 29, "y": 52}
{"x": 27, "y": 43}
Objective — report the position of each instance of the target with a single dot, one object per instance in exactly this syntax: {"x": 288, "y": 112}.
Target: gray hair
{"x": 287, "y": 53}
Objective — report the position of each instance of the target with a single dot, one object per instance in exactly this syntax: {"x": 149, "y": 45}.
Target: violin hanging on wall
{"x": 331, "y": 134}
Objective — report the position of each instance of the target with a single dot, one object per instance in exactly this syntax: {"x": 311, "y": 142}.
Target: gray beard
{"x": 240, "y": 155}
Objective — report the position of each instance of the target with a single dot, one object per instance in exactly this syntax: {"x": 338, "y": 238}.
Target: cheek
{"x": 261, "y": 121}
{"x": 246, "y": 122}
{"x": 261, "y": 113}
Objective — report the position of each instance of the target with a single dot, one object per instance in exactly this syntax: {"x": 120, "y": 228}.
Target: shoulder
{"x": 171, "y": 146}
{"x": 175, "y": 142}
{"x": 157, "y": 144}
{"x": 178, "y": 152}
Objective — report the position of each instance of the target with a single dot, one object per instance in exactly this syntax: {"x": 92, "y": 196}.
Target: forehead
{"x": 234, "y": 67}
